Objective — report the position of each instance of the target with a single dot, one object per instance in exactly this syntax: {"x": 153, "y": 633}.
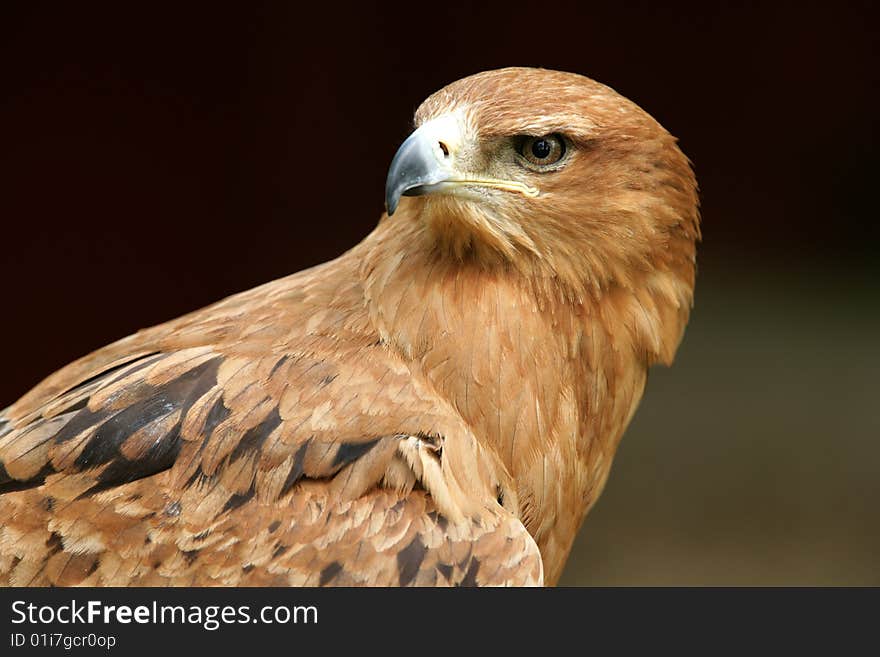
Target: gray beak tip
{"x": 392, "y": 197}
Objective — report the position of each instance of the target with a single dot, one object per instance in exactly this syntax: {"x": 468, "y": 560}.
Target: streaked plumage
{"x": 439, "y": 405}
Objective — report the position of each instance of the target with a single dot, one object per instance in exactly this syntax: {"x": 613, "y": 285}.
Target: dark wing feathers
{"x": 128, "y": 434}
{"x": 205, "y": 466}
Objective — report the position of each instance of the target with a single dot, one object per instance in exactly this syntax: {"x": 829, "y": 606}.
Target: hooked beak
{"x": 422, "y": 162}
{"x": 426, "y": 163}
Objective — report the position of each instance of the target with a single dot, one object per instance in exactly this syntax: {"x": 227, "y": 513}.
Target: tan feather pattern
{"x": 252, "y": 470}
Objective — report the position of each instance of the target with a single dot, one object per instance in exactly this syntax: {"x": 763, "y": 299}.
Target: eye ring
{"x": 542, "y": 152}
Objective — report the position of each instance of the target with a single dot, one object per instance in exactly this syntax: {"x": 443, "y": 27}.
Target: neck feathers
{"x": 547, "y": 379}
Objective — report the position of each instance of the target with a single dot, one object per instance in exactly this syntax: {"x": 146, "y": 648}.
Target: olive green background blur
{"x": 154, "y": 160}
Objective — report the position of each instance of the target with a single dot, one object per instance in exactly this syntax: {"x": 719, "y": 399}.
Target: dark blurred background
{"x": 154, "y": 160}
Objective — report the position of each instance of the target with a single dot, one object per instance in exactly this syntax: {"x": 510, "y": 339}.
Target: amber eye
{"x": 542, "y": 151}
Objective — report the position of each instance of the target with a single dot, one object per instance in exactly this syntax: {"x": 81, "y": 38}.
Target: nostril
{"x": 444, "y": 148}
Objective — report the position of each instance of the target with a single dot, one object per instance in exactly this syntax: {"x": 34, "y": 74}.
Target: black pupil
{"x": 541, "y": 149}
